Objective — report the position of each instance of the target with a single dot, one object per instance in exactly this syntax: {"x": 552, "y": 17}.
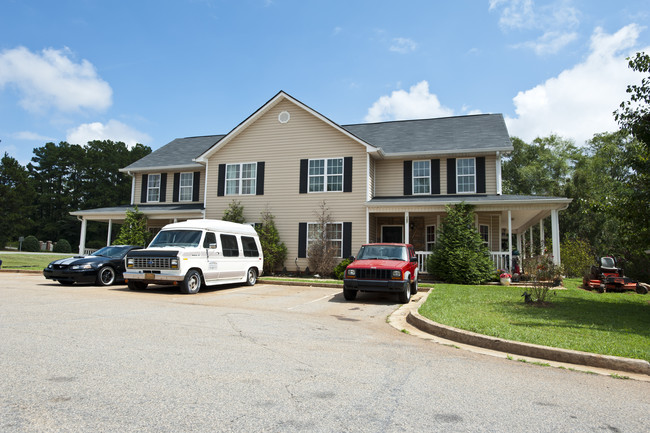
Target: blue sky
{"x": 151, "y": 71}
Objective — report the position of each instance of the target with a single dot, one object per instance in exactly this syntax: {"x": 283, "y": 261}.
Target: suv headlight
{"x": 397, "y": 275}
{"x": 351, "y": 273}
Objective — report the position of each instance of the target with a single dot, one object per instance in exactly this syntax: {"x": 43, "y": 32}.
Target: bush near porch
{"x": 615, "y": 324}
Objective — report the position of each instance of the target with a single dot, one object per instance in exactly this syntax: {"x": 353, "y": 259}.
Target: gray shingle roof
{"x": 476, "y": 133}
{"x": 473, "y": 133}
{"x": 178, "y": 153}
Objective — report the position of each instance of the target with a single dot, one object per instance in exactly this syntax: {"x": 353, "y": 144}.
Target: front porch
{"x": 503, "y": 222}
{"x": 157, "y": 217}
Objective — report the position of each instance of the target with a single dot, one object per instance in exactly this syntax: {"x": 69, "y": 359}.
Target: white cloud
{"x": 417, "y": 103}
{"x": 113, "y": 130}
{"x": 51, "y": 79}
{"x": 579, "y": 102}
{"x": 403, "y": 45}
{"x": 31, "y": 136}
{"x": 557, "y": 21}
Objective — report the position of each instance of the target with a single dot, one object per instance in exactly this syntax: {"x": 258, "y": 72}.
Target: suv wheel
{"x": 405, "y": 296}
{"x": 349, "y": 295}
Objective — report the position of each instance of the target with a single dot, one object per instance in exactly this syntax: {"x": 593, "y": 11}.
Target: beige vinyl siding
{"x": 281, "y": 147}
{"x": 390, "y": 176}
{"x": 170, "y": 187}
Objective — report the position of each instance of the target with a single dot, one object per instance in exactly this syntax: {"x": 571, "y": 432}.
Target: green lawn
{"x": 608, "y": 323}
{"x": 28, "y": 261}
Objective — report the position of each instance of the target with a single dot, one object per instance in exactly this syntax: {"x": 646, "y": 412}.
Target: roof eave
{"x": 400, "y": 155}
{"x": 161, "y": 168}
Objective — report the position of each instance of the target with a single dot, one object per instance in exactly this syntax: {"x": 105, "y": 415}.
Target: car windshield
{"x": 382, "y": 252}
{"x": 112, "y": 252}
{"x": 177, "y": 238}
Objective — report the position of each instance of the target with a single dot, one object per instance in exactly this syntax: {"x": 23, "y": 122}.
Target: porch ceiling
{"x": 526, "y": 211}
{"x": 152, "y": 212}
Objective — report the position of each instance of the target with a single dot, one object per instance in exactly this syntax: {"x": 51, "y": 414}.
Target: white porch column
{"x": 555, "y": 229}
{"x": 110, "y": 232}
{"x": 498, "y": 172}
{"x": 532, "y": 248}
{"x": 541, "y": 235}
{"x": 522, "y": 252}
{"x": 510, "y": 240}
{"x": 82, "y": 236}
{"x": 406, "y": 228}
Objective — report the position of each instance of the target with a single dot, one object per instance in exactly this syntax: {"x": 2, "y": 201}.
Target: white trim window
{"x": 153, "y": 188}
{"x": 430, "y": 240}
{"x": 186, "y": 187}
{"x": 334, "y": 235}
{"x": 421, "y": 177}
{"x": 465, "y": 175}
{"x": 484, "y": 231}
{"x": 326, "y": 175}
{"x": 241, "y": 179}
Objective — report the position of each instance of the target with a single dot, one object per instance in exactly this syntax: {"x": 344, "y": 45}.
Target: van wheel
{"x": 191, "y": 283}
{"x": 251, "y": 277}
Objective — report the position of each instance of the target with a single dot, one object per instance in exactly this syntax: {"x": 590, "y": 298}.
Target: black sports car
{"x": 103, "y": 267}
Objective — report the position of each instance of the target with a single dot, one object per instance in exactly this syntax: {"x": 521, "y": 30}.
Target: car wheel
{"x": 405, "y": 296}
{"x": 106, "y": 276}
{"x": 251, "y": 277}
{"x": 136, "y": 285}
{"x": 66, "y": 282}
{"x": 192, "y": 282}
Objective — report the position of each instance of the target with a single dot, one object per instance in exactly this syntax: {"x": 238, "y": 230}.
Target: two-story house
{"x": 386, "y": 181}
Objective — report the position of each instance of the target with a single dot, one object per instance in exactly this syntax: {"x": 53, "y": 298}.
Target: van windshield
{"x": 177, "y": 238}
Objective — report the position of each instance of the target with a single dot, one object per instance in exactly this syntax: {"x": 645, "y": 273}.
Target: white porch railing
{"x": 499, "y": 258}
{"x": 89, "y": 251}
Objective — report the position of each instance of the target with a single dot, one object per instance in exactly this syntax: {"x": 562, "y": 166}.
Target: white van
{"x": 195, "y": 253}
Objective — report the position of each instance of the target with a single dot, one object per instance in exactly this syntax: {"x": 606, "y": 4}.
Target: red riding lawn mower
{"x": 607, "y": 277}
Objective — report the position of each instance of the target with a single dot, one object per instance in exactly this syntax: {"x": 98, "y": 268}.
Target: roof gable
{"x": 281, "y": 96}
{"x": 177, "y": 154}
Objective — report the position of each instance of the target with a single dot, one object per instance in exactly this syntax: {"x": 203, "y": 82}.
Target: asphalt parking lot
{"x": 268, "y": 358}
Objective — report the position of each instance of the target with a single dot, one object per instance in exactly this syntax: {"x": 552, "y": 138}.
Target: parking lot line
{"x": 314, "y": 300}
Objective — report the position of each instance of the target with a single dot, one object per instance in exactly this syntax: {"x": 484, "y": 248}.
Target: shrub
{"x": 323, "y": 255}
{"x": 544, "y": 275}
{"x": 275, "y": 251}
{"x": 134, "y": 230}
{"x": 460, "y": 255}
{"x": 234, "y": 213}
{"x": 339, "y": 270}
{"x": 62, "y": 246}
{"x": 577, "y": 257}
{"x": 31, "y": 244}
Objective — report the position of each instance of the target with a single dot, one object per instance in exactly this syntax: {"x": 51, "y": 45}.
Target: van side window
{"x": 210, "y": 238}
{"x": 250, "y": 247}
{"x": 229, "y": 246}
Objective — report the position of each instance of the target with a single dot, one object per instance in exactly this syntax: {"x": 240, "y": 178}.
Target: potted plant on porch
{"x": 505, "y": 278}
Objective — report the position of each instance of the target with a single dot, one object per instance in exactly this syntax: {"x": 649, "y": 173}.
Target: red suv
{"x": 383, "y": 268}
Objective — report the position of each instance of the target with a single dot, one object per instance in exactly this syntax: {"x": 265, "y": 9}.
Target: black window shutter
{"x": 480, "y": 175}
{"x": 163, "y": 187}
{"x": 196, "y": 186}
{"x": 302, "y": 240}
{"x": 304, "y": 168}
{"x": 451, "y": 175}
{"x": 347, "y": 174}
{"x": 435, "y": 176}
{"x": 347, "y": 240}
{"x": 408, "y": 177}
{"x": 260, "y": 179}
{"x": 177, "y": 183}
{"x": 221, "y": 180}
{"x": 145, "y": 185}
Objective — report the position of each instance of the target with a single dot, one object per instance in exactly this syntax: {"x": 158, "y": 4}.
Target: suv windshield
{"x": 177, "y": 238}
{"x": 382, "y": 252}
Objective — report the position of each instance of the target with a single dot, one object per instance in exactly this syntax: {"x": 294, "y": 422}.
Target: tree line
{"x": 37, "y": 199}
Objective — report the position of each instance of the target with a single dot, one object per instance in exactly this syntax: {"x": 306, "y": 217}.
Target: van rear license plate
{"x": 149, "y": 276}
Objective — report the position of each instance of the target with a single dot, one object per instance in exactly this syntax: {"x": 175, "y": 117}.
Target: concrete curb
{"x": 299, "y": 283}
{"x": 22, "y": 271}
{"x": 525, "y": 349}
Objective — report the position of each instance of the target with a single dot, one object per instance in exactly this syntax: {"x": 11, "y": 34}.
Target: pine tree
{"x": 134, "y": 230}
{"x": 275, "y": 252}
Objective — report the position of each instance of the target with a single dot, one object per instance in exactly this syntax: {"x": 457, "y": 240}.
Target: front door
{"x": 392, "y": 234}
